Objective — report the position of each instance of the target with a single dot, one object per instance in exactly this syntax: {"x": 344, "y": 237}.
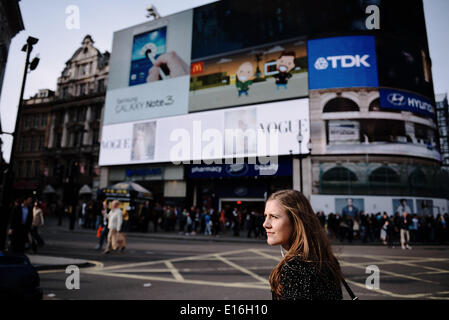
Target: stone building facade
{"x": 59, "y": 133}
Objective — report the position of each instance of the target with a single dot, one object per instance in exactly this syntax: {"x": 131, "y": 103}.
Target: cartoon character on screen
{"x": 244, "y": 73}
{"x": 284, "y": 65}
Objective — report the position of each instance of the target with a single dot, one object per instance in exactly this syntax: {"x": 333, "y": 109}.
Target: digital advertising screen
{"x": 342, "y": 62}
{"x": 150, "y": 70}
{"x": 272, "y": 72}
{"x": 147, "y": 48}
{"x": 269, "y": 129}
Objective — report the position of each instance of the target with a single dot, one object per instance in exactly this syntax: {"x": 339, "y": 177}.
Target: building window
{"x": 98, "y": 112}
{"x": 27, "y": 121}
{"x": 58, "y": 140}
{"x": 375, "y": 106}
{"x": 84, "y": 69}
{"x": 28, "y": 169}
{"x": 418, "y": 178}
{"x": 59, "y": 118}
{"x": 341, "y": 105}
{"x": 80, "y": 115}
{"x": 36, "y": 168}
{"x": 36, "y": 120}
{"x": 384, "y": 175}
{"x": 77, "y": 138}
{"x": 95, "y": 136}
{"x": 82, "y": 89}
{"x": 65, "y": 92}
{"x": 101, "y": 85}
{"x": 339, "y": 174}
{"x": 43, "y": 120}
{"x": 40, "y": 144}
{"x": 23, "y": 145}
{"x": 32, "y": 142}
{"x": 19, "y": 169}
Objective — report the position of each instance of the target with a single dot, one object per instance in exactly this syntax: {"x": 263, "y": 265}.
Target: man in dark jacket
{"x": 404, "y": 224}
{"x": 146, "y": 215}
{"x": 21, "y": 219}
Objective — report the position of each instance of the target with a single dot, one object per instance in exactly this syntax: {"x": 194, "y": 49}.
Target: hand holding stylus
{"x": 176, "y": 66}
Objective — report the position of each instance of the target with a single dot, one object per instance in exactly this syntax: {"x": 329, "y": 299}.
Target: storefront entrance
{"x": 248, "y": 204}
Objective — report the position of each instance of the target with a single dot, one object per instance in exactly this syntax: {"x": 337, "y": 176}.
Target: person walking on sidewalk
{"x": 115, "y": 219}
{"x": 21, "y": 220}
{"x": 38, "y": 220}
{"x": 105, "y": 231}
{"x": 208, "y": 224}
{"x": 404, "y": 225}
{"x": 308, "y": 269}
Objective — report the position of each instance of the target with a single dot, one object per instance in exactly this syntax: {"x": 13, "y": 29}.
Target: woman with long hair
{"x": 308, "y": 270}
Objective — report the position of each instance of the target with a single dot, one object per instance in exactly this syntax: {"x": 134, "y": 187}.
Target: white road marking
{"x": 129, "y": 270}
{"x": 174, "y": 271}
{"x": 244, "y": 270}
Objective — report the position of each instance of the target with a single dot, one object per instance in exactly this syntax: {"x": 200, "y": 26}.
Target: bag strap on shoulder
{"x": 351, "y": 294}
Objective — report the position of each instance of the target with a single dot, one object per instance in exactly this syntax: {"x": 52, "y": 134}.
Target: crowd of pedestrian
{"x": 398, "y": 230}
{"x": 26, "y": 217}
{"x": 206, "y": 221}
{"x": 392, "y": 230}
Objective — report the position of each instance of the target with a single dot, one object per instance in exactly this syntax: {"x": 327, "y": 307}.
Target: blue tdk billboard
{"x": 342, "y": 62}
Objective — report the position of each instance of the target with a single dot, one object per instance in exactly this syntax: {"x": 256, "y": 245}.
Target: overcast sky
{"x": 46, "y": 20}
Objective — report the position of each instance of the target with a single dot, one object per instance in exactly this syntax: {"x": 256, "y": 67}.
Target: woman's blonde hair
{"x": 308, "y": 239}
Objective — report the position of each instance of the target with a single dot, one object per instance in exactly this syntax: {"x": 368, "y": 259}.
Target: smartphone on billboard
{"x": 147, "y": 47}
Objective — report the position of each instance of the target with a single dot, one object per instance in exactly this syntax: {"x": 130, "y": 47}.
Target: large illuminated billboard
{"x": 276, "y": 71}
{"x": 342, "y": 62}
{"x": 150, "y": 70}
{"x": 249, "y": 56}
{"x": 269, "y": 129}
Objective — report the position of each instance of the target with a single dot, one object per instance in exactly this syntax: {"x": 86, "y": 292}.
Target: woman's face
{"x": 277, "y": 224}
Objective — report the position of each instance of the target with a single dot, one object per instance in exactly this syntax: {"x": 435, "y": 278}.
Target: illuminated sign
{"x": 401, "y": 100}
{"x": 197, "y": 67}
{"x": 342, "y": 62}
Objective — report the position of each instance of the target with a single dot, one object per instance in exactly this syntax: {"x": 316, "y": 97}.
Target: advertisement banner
{"x": 342, "y": 62}
{"x": 283, "y": 168}
{"x": 270, "y": 129}
{"x": 272, "y": 72}
{"x": 150, "y": 70}
{"x": 401, "y": 100}
{"x": 344, "y": 131}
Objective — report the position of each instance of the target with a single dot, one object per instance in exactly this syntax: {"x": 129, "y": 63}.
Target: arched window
{"x": 339, "y": 174}
{"x": 384, "y": 175}
{"x": 341, "y": 105}
{"x": 375, "y": 106}
{"x": 418, "y": 178}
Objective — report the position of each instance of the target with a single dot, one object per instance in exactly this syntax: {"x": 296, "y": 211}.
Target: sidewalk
{"x": 52, "y": 226}
{"x": 41, "y": 262}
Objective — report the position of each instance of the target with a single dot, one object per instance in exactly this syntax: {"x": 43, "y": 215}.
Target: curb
{"x": 62, "y": 266}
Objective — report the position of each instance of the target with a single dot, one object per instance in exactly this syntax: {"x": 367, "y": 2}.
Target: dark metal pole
{"x": 300, "y": 167}
{"x": 19, "y": 109}
{"x": 8, "y": 185}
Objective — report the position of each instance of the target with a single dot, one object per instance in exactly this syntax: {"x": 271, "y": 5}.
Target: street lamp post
{"x": 299, "y": 139}
{"x": 8, "y": 179}
{"x": 28, "y": 47}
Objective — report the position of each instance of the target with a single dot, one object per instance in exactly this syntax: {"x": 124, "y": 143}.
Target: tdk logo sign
{"x": 345, "y": 61}
{"x": 396, "y": 99}
{"x": 342, "y": 62}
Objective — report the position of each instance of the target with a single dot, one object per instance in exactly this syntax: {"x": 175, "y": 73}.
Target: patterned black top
{"x": 301, "y": 281}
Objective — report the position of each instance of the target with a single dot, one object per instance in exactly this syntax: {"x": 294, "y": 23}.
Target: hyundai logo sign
{"x": 396, "y": 99}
